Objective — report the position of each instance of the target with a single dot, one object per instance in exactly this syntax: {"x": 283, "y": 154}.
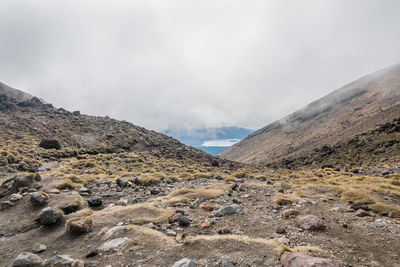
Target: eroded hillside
{"x": 356, "y": 108}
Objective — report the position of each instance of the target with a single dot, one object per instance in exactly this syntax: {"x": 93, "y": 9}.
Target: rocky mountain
{"x": 358, "y": 107}
{"x": 30, "y": 120}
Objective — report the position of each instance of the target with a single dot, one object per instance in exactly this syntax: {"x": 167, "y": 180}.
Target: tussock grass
{"x": 137, "y": 214}
{"x": 206, "y": 192}
{"x": 281, "y": 199}
{"x": 385, "y": 209}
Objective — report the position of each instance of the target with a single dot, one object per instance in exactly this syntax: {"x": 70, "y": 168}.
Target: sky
{"x": 189, "y": 64}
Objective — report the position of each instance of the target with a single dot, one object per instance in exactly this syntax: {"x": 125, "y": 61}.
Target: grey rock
{"x": 27, "y": 259}
{"x": 37, "y": 248}
{"x": 39, "y": 199}
{"x": 49, "y": 216}
{"x": 92, "y": 251}
{"x": 95, "y": 201}
{"x": 290, "y": 259}
{"x": 226, "y": 263}
{"x": 183, "y": 221}
{"x": 37, "y": 177}
{"x": 185, "y": 263}
{"x": 113, "y": 245}
{"x": 63, "y": 261}
{"x": 114, "y": 232}
{"x": 229, "y": 210}
{"x": 280, "y": 230}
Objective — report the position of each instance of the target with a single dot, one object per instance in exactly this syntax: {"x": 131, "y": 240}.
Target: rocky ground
{"x": 246, "y": 217}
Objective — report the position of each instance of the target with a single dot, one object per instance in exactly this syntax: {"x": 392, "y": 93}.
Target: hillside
{"x": 355, "y": 108}
{"x": 29, "y": 121}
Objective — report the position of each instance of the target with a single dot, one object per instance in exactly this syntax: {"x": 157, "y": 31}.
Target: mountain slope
{"x": 355, "y": 108}
{"x": 26, "y": 119}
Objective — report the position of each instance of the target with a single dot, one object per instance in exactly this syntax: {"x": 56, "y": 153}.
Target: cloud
{"x": 188, "y": 64}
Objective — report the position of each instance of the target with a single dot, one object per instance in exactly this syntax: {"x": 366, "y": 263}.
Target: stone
{"x": 358, "y": 205}
{"x": 63, "y": 261}
{"x": 362, "y": 213}
{"x": 43, "y": 169}
{"x": 15, "y": 197}
{"x": 91, "y": 251}
{"x": 224, "y": 231}
{"x": 5, "y": 205}
{"x": 27, "y": 259}
{"x": 113, "y": 245}
{"x": 37, "y": 177}
{"x": 122, "y": 202}
{"x": 280, "y": 230}
{"x": 37, "y": 247}
{"x": 290, "y": 259}
{"x": 83, "y": 191}
{"x": 303, "y": 201}
{"x": 185, "y": 263}
{"x": 49, "y": 216}
{"x": 225, "y": 263}
{"x": 311, "y": 222}
{"x": 183, "y": 221}
{"x": 50, "y": 144}
{"x": 205, "y": 224}
{"x": 95, "y": 201}
{"x": 229, "y": 210}
{"x": 54, "y": 191}
{"x": 290, "y": 212}
{"x": 114, "y": 232}
{"x": 208, "y": 208}
{"x": 79, "y": 227}
{"x": 39, "y": 198}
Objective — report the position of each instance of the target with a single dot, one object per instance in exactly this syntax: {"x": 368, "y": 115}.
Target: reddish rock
{"x": 290, "y": 259}
{"x": 208, "y": 207}
{"x": 205, "y": 224}
{"x": 311, "y": 222}
{"x": 79, "y": 227}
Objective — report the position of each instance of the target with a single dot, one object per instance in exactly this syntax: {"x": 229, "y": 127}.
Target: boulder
{"x": 185, "y": 263}
{"x": 114, "y": 232}
{"x": 50, "y": 144}
{"x": 49, "y": 216}
{"x": 113, "y": 245}
{"x": 229, "y": 210}
{"x": 39, "y": 198}
{"x": 290, "y": 259}
{"x": 225, "y": 263}
{"x": 79, "y": 227}
{"x": 95, "y": 201}
{"x": 27, "y": 259}
{"x": 183, "y": 221}
{"x": 37, "y": 247}
{"x": 63, "y": 261}
{"x": 311, "y": 222}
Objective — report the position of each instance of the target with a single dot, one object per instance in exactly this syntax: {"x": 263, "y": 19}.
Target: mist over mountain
{"x": 358, "y": 107}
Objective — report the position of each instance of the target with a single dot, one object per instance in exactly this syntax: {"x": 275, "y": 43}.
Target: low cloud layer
{"x": 188, "y": 64}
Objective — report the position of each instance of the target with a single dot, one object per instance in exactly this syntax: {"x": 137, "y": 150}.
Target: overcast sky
{"x": 184, "y": 64}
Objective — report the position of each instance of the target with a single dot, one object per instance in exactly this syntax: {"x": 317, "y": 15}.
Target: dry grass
{"x": 185, "y": 194}
{"x": 149, "y": 178}
{"x": 281, "y": 199}
{"x": 385, "y": 209}
{"x": 137, "y": 214}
